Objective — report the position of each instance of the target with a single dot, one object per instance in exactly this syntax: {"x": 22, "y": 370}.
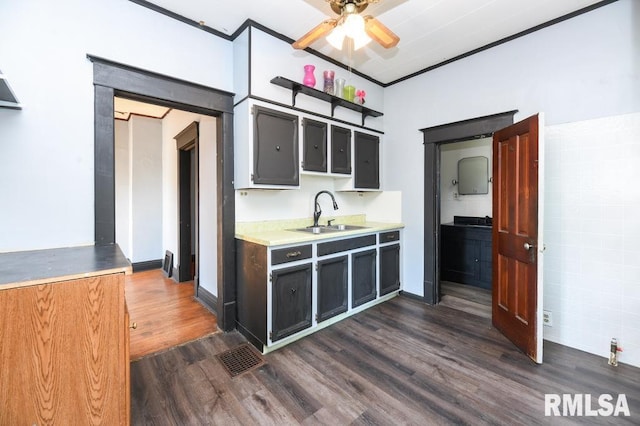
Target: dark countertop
{"x": 464, "y": 225}
{"x": 25, "y": 268}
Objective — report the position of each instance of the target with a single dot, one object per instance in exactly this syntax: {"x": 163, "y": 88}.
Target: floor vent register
{"x": 240, "y": 360}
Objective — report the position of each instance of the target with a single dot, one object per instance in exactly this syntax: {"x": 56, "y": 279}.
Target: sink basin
{"x": 343, "y": 227}
{"x": 316, "y": 229}
{"x": 328, "y": 229}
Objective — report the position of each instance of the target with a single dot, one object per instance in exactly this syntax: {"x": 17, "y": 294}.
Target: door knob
{"x": 528, "y": 246}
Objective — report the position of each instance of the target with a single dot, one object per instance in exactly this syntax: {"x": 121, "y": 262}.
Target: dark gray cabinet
{"x": 389, "y": 268}
{"x": 466, "y": 254}
{"x": 314, "y": 145}
{"x": 275, "y": 147}
{"x": 367, "y": 161}
{"x": 291, "y": 300}
{"x": 340, "y": 150}
{"x": 363, "y": 277}
{"x": 333, "y": 282}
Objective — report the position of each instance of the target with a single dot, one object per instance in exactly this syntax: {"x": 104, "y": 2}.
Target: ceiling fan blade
{"x": 380, "y": 33}
{"x": 317, "y": 32}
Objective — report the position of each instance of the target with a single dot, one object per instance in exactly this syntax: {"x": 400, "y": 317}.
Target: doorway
{"x": 187, "y": 144}
{"x": 465, "y": 225}
{"x": 113, "y": 79}
{"x": 434, "y": 139}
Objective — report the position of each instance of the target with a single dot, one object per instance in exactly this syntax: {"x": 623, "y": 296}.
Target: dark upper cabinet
{"x": 291, "y": 303}
{"x": 389, "y": 269}
{"x": 333, "y": 281}
{"x": 314, "y": 145}
{"x": 363, "y": 279}
{"x": 367, "y": 161}
{"x": 340, "y": 150}
{"x": 275, "y": 147}
{"x": 466, "y": 255}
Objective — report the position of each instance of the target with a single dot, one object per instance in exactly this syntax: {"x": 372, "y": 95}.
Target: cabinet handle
{"x": 293, "y": 291}
{"x": 315, "y": 146}
{"x": 277, "y": 147}
{"x": 133, "y": 325}
{"x": 293, "y": 254}
{"x": 391, "y": 237}
{"x": 341, "y": 150}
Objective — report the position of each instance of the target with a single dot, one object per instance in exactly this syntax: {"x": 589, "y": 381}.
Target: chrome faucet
{"x": 317, "y": 211}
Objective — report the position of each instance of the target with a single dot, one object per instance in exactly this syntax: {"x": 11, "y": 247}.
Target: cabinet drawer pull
{"x": 391, "y": 237}
{"x": 293, "y": 254}
{"x": 293, "y": 291}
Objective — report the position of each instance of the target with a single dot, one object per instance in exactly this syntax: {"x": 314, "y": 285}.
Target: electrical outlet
{"x": 547, "y": 319}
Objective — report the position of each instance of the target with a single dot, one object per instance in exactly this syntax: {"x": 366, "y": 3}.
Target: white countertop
{"x": 287, "y": 235}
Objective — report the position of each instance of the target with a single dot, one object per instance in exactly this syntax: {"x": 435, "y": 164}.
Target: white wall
{"x": 451, "y": 203}
{"x": 46, "y": 149}
{"x": 173, "y": 124}
{"x": 122, "y": 164}
{"x": 581, "y": 69}
{"x": 592, "y": 229}
{"x": 145, "y": 136}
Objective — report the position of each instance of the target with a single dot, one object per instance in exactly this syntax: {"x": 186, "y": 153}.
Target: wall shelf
{"x": 335, "y": 101}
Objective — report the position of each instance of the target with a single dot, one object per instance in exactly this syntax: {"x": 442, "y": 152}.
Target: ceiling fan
{"x": 350, "y": 23}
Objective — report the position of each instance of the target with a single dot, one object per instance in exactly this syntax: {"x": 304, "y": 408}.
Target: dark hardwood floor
{"x": 401, "y": 362}
{"x": 165, "y": 312}
{"x": 467, "y": 298}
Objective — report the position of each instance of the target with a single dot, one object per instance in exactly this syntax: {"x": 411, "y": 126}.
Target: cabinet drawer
{"x": 290, "y": 254}
{"x": 387, "y": 237}
{"x": 345, "y": 245}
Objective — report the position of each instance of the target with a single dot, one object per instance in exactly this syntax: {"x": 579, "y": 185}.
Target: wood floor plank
{"x": 401, "y": 362}
{"x": 165, "y": 312}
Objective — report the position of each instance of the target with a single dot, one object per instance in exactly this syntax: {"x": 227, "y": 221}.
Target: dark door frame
{"x": 113, "y": 79}
{"x": 434, "y": 137}
{"x": 187, "y": 142}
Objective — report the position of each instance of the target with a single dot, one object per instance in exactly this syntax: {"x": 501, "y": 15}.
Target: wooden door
{"x": 275, "y": 147}
{"x": 291, "y": 300}
{"x": 517, "y": 224}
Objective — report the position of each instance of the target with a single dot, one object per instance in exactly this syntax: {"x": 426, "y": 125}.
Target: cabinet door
{"x": 389, "y": 269}
{"x": 314, "y": 145}
{"x": 275, "y": 147}
{"x": 367, "y": 164}
{"x": 460, "y": 256}
{"x": 333, "y": 283}
{"x": 291, "y": 300}
{"x": 363, "y": 279}
{"x": 340, "y": 150}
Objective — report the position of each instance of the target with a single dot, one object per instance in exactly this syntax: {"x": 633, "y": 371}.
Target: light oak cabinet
{"x": 64, "y": 352}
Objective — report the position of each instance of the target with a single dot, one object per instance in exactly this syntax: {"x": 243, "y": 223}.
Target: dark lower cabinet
{"x": 340, "y": 150}
{"x": 314, "y": 135}
{"x": 333, "y": 281}
{"x": 466, "y": 255}
{"x": 292, "y": 301}
{"x": 367, "y": 161}
{"x": 363, "y": 277}
{"x": 389, "y": 269}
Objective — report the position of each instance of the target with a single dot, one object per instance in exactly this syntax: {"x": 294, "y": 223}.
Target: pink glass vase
{"x": 309, "y": 79}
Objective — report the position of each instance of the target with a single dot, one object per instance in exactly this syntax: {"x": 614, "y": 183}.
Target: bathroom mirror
{"x": 473, "y": 176}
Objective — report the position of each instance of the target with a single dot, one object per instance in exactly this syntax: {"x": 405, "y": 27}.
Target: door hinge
{"x": 270, "y": 277}
{"x": 252, "y": 177}
{"x": 271, "y": 335}
{"x": 316, "y": 317}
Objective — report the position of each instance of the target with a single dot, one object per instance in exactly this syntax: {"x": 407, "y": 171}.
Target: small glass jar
{"x": 339, "y": 87}
{"x": 328, "y": 81}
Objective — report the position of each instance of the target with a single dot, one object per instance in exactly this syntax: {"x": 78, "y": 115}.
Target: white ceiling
{"x": 430, "y": 31}
{"x": 123, "y": 108}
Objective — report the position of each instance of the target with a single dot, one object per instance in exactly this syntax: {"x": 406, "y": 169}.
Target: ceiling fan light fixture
{"x": 336, "y": 37}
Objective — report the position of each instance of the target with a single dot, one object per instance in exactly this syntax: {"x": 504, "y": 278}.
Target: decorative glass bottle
{"x": 328, "y": 81}
{"x": 309, "y": 79}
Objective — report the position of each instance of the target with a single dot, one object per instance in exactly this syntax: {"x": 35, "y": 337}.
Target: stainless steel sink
{"x": 343, "y": 227}
{"x": 329, "y": 229}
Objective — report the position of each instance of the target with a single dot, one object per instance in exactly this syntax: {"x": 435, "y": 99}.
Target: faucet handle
{"x": 329, "y": 222}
